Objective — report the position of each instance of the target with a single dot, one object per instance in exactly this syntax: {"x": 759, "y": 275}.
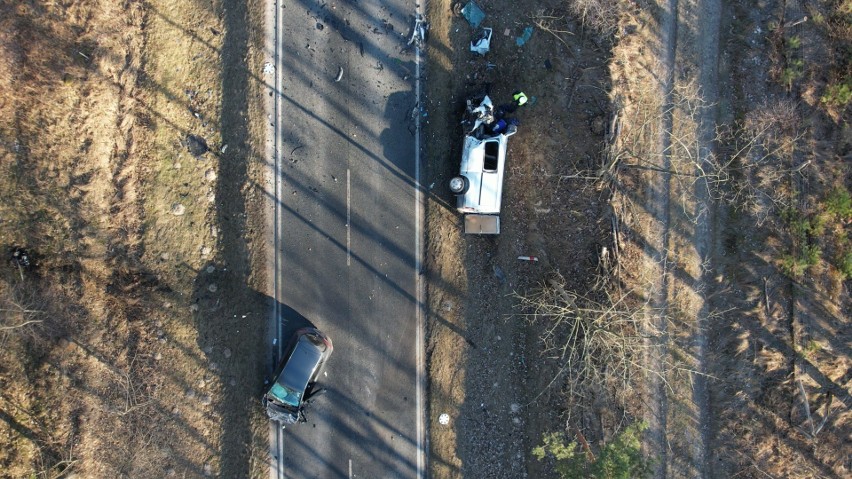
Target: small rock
{"x": 201, "y": 383}
{"x": 210, "y": 175}
{"x": 515, "y": 407}
{"x": 196, "y": 145}
{"x": 178, "y": 209}
{"x": 158, "y": 356}
{"x": 205, "y": 250}
{"x": 170, "y": 472}
{"x": 193, "y": 308}
{"x": 208, "y": 469}
{"x": 165, "y": 256}
{"x": 597, "y": 125}
{"x": 498, "y": 272}
{"x": 211, "y": 196}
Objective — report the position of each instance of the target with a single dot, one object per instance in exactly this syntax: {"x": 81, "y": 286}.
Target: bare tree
{"x": 598, "y": 340}
{"x": 749, "y": 167}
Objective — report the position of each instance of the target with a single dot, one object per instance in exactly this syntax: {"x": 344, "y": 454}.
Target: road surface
{"x": 347, "y": 234}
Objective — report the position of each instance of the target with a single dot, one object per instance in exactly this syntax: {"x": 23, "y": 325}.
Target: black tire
{"x": 459, "y": 185}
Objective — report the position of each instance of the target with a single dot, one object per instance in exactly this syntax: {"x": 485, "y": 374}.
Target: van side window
{"x": 491, "y": 150}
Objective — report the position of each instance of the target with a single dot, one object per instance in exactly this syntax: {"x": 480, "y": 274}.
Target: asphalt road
{"x": 347, "y": 234}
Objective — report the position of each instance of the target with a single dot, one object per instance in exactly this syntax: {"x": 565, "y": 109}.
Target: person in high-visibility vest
{"x": 519, "y": 98}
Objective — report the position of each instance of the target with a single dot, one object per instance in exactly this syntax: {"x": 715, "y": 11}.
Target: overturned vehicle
{"x": 479, "y": 185}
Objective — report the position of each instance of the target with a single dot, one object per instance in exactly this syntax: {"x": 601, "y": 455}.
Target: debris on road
{"x": 419, "y": 31}
{"x": 339, "y": 74}
{"x": 528, "y": 258}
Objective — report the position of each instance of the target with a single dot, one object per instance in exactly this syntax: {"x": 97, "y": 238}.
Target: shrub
{"x": 621, "y": 458}
{"x": 839, "y": 203}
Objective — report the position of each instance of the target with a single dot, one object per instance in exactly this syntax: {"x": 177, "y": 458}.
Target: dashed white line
{"x": 348, "y": 219}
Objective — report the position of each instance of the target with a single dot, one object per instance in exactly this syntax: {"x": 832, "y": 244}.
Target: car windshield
{"x": 285, "y": 395}
{"x": 293, "y": 380}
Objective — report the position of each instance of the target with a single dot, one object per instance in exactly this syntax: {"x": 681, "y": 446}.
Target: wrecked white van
{"x": 479, "y": 186}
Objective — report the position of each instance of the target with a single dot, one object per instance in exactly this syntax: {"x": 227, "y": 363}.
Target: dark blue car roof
{"x": 296, "y": 375}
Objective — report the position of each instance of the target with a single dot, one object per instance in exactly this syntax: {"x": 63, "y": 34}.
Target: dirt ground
{"x": 487, "y": 370}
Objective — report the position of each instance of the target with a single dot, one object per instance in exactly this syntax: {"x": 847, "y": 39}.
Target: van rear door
{"x": 482, "y": 224}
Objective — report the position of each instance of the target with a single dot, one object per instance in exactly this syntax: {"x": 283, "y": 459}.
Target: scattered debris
{"x": 498, "y": 272}
{"x": 482, "y": 43}
{"x": 525, "y": 37}
{"x": 20, "y": 258}
{"x": 419, "y": 31}
{"x": 528, "y": 258}
{"x": 473, "y": 14}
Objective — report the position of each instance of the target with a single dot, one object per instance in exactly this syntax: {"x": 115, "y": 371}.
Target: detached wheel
{"x": 459, "y": 185}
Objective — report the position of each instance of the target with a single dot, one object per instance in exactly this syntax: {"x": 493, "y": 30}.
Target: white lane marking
{"x": 348, "y": 220}
{"x": 277, "y": 469}
{"x": 350, "y": 469}
{"x": 418, "y": 264}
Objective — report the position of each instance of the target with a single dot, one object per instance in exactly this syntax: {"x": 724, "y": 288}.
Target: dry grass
{"x": 102, "y": 353}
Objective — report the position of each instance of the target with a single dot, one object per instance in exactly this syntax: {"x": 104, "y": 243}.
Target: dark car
{"x": 296, "y": 377}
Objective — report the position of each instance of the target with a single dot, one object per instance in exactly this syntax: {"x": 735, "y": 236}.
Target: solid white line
{"x": 350, "y": 469}
{"x": 278, "y": 63}
{"x": 348, "y": 220}
{"x": 418, "y": 262}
